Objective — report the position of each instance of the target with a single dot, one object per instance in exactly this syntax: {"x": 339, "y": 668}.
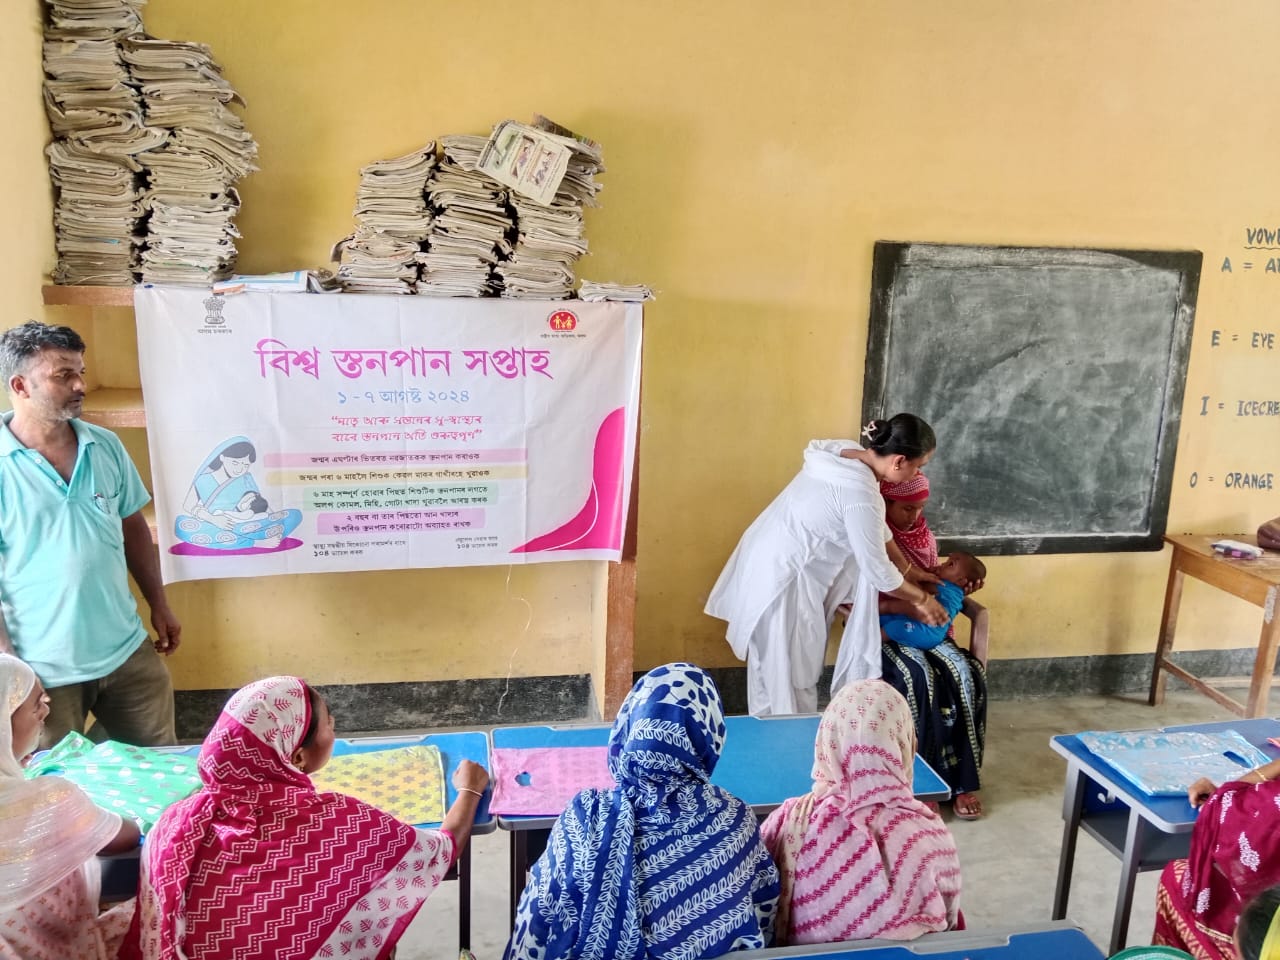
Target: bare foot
{"x": 967, "y": 806}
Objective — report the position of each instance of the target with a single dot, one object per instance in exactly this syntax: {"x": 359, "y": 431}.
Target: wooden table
{"x": 1257, "y": 581}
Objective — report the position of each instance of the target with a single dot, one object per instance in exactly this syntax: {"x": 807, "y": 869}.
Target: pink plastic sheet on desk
{"x": 540, "y": 781}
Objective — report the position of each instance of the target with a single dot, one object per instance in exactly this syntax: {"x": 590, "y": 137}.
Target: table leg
{"x": 1072, "y": 810}
{"x": 464, "y": 899}
{"x": 1128, "y": 875}
{"x": 1168, "y": 624}
{"x": 519, "y": 868}
{"x": 1265, "y": 664}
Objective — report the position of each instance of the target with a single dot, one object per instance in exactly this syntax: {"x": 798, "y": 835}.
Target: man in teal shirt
{"x": 71, "y": 531}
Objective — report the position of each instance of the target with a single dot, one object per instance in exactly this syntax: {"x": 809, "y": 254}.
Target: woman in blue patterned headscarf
{"x": 664, "y": 865}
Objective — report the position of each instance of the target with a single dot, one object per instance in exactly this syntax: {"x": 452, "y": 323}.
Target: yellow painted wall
{"x": 26, "y": 243}
{"x": 756, "y": 151}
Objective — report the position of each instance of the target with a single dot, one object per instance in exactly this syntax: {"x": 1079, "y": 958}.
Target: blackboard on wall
{"x": 1053, "y": 378}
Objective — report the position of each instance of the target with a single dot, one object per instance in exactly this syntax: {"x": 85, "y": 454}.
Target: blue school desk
{"x": 1144, "y": 832}
{"x": 1055, "y": 941}
{"x": 120, "y": 874}
{"x": 765, "y": 761}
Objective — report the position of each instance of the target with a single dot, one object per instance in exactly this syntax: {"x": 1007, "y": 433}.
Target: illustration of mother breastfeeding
{"x": 224, "y": 509}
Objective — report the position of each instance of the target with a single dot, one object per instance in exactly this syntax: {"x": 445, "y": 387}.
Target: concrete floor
{"x": 1009, "y": 858}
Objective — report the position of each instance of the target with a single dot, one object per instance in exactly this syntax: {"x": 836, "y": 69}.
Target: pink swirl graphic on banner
{"x": 598, "y": 525}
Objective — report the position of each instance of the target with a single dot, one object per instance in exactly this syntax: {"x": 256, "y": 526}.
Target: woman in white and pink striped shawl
{"x": 859, "y": 856}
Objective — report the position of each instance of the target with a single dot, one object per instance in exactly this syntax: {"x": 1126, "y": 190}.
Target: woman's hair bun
{"x": 903, "y": 433}
{"x": 876, "y": 431}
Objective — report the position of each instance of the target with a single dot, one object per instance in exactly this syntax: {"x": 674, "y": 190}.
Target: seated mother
{"x": 859, "y": 856}
{"x": 224, "y": 509}
{"x": 666, "y": 865}
{"x": 1235, "y": 856}
{"x": 49, "y": 833}
{"x": 258, "y": 863}
{"x": 945, "y": 686}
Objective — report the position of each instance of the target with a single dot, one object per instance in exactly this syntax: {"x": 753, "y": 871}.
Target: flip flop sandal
{"x": 970, "y": 809}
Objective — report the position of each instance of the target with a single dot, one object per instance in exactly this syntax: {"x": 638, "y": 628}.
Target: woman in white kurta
{"x": 823, "y": 541}
{"x": 49, "y": 833}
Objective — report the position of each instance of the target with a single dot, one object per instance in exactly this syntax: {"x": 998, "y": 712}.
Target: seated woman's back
{"x": 859, "y": 856}
{"x": 257, "y": 863}
{"x": 665, "y": 865}
{"x": 1235, "y": 856}
{"x": 49, "y": 833}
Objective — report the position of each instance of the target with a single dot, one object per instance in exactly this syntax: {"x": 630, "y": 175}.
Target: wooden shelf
{"x": 114, "y": 407}
{"x": 68, "y": 295}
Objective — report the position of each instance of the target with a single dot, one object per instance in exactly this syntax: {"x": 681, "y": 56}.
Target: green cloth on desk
{"x": 136, "y": 782}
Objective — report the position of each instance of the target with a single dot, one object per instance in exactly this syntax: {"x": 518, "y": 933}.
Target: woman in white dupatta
{"x": 50, "y": 832}
{"x": 821, "y": 542}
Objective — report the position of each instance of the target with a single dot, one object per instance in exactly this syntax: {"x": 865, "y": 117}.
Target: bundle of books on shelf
{"x": 145, "y": 153}
{"x": 472, "y": 227}
{"x": 392, "y": 221}
{"x": 191, "y": 196}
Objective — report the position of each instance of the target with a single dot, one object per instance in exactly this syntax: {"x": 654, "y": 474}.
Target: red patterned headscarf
{"x": 915, "y": 490}
{"x": 259, "y": 864}
{"x": 917, "y": 543}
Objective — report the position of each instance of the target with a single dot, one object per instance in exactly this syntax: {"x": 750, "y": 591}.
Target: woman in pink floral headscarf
{"x": 258, "y": 864}
{"x": 859, "y": 856}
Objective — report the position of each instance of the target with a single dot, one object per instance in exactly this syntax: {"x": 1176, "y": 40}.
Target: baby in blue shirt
{"x": 959, "y": 568}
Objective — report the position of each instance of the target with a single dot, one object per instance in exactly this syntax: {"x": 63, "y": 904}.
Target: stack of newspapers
{"x": 146, "y": 151}
{"x": 472, "y": 224}
{"x": 621, "y": 292}
{"x": 191, "y": 192}
{"x": 551, "y": 234}
{"x": 98, "y": 127}
{"x": 392, "y": 221}
{"x": 93, "y": 19}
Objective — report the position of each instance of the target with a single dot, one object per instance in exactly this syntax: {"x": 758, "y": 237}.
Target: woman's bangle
{"x": 478, "y": 793}
{"x": 1261, "y": 778}
{"x": 910, "y": 564}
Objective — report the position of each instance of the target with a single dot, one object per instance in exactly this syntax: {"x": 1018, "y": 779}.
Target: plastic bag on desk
{"x": 136, "y": 782}
{"x": 1166, "y": 764}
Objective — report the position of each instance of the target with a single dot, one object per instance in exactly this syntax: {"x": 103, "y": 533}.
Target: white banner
{"x": 295, "y": 433}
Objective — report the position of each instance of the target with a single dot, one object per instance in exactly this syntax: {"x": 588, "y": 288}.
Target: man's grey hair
{"x": 20, "y": 345}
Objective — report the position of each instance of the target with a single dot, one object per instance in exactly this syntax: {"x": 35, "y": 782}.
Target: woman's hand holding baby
{"x": 921, "y": 577}
{"x": 218, "y": 519}
{"x": 931, "y": 612}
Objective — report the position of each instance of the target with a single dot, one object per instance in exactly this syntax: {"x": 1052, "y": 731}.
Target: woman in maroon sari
{"x": 1235, "y": 855}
